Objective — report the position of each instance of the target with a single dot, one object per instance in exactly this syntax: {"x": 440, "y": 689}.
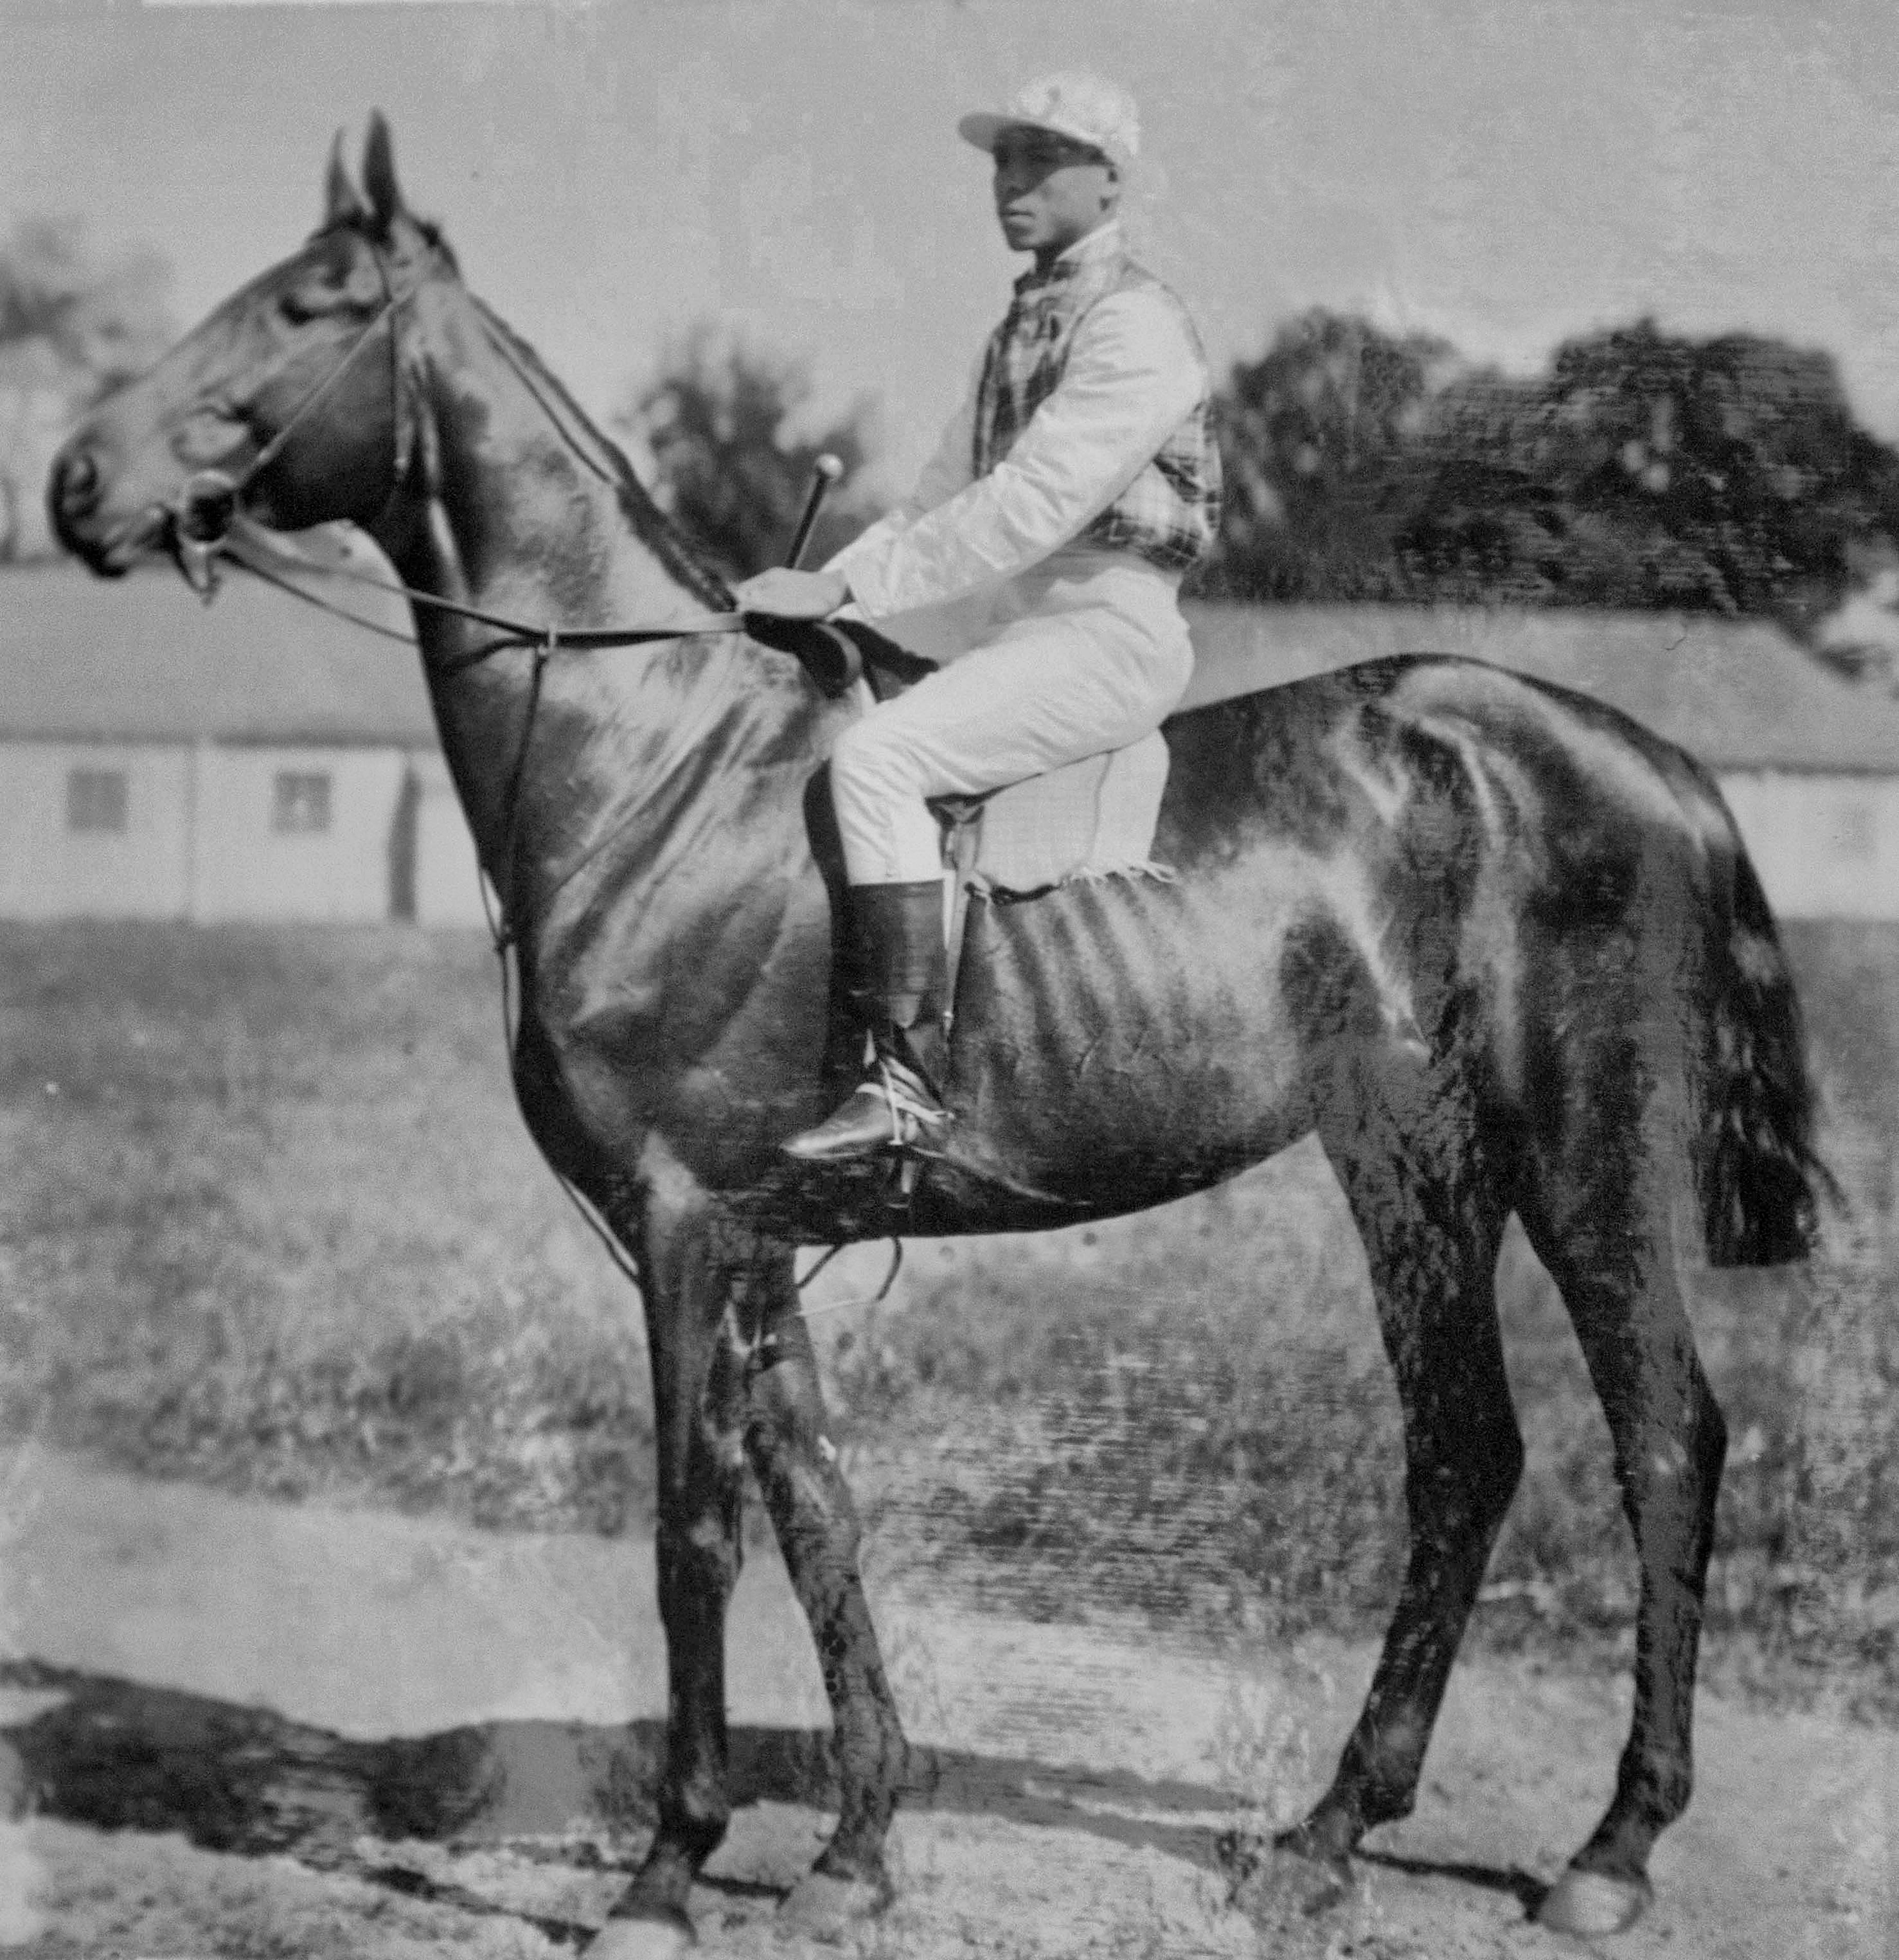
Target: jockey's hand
{"x": 793, "y": 595}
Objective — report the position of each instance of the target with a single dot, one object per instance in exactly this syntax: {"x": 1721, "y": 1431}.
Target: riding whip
{"x": 824, "y": 472}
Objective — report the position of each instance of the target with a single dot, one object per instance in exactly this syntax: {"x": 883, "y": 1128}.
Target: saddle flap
{"x": 1096, "y": 815}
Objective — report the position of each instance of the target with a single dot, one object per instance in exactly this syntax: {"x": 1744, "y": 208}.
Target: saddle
{"x": 1082, "y": 820}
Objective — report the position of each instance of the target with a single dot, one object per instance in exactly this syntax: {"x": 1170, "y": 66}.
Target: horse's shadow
{"x": 120, "y": 1754}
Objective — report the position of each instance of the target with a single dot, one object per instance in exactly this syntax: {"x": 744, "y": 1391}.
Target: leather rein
{"x": 209, "y": 509}
{"x": 209, "y": 516}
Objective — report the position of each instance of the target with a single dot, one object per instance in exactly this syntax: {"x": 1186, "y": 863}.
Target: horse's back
{"x": 1286, "y": 755}
{"x": 1415, "y": 855}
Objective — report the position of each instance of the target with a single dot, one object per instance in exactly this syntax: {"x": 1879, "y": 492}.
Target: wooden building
{"x": 259, "y": 760}
{"x": 252, "y": 759}
{"x": 1808, "y": 762}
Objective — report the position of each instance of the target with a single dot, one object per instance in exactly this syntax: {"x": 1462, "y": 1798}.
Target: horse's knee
{"x": 786, "y": 1406}
{"x": 1666, "y": 1471}
{"x": 1496, "y": 1469}
{"x": 697, "y": 1559}
{"x": 1475, "y": 1487}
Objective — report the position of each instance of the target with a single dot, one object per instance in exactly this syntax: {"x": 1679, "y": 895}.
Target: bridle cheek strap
{"x": 210, "y": 508}
{"x": 209, "y": 501}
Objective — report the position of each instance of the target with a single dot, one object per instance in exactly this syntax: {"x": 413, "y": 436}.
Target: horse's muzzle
{"x": 77, "y": 507}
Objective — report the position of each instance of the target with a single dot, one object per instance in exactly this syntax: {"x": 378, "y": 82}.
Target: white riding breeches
{"x": 1087, "y": 653}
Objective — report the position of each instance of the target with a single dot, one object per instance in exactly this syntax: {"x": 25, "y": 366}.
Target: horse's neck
{"x": 515, "y": 505}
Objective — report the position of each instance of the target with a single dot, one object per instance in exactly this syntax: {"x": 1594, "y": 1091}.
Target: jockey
{"x": 1076, "y": 485}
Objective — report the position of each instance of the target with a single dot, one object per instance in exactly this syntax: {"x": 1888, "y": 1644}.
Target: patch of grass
{"x": 271, "y": 1219}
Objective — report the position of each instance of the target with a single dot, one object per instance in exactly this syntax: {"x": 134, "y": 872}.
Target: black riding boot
{"x": 895, "y": 977}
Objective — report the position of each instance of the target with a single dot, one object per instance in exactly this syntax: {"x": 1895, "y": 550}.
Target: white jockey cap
{"x": 1085, "y": 108}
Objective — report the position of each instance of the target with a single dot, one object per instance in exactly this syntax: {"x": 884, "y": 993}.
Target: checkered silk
{"x": 1169, "y": 513}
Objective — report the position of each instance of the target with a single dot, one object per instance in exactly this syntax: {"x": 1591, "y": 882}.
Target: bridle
{"x": 210, "y": 511}
{"x": 210, "y": 501}
{"x": 209, "y": 514}
{"x": 208, "y": 521}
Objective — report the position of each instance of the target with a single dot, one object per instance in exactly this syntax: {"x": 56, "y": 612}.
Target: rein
{"x": 513, "y": 632}
{"x": 209, "y": 509}
{"x": 209, "y": 522}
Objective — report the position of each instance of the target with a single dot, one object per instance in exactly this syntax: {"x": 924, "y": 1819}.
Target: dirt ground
{"x": 250, "y": 1730}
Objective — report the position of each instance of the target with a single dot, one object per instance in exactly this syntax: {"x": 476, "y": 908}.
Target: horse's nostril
{"x": 77, "y": 485}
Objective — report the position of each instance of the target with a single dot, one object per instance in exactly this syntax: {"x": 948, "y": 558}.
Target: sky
{"x": 1505, "y": 173}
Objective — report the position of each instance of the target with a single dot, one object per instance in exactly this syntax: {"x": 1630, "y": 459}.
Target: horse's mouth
{"x": 151, "y": 534}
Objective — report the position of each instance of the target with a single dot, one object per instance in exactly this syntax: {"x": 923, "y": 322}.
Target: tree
{"x": 1734, "y": 466}
{"x": 721, "y": 423}
{"x": 1643, "y": 469}
{"x": 71, "y": 327}
{"x": 1316, "y": 439}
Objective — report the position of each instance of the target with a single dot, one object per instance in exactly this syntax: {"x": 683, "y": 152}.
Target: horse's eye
{"x": 315, "y": 299}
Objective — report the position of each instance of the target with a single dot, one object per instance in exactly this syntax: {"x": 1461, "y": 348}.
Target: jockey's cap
{"x": 1087, "y": 108}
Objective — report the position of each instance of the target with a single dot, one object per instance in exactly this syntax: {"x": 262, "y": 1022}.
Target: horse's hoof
{"x": 642, "y": 1939}
{"x": 1590, "y": 1905}
{"x": 1276, "y": 1884}
{"x": 821, "y": 1907}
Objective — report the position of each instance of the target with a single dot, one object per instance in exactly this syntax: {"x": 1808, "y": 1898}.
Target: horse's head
{"x": 288, "y": 402}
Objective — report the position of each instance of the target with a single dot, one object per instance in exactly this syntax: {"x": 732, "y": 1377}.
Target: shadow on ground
{"x": 119, "y": 1755}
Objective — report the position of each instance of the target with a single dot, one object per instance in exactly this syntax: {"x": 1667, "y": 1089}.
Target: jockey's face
{"x": 1050, "y": 190}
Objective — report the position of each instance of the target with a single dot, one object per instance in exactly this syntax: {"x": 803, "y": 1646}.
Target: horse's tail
{"x": 1761, "y": 1175}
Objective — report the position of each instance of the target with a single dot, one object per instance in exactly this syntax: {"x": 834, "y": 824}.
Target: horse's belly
{"x": 1124, "y": 1040}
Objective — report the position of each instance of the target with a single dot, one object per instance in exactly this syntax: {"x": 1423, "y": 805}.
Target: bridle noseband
{"x": 209, "y": 515}
{"x": 210, "y": 511}
{"x": 211, "y": 499}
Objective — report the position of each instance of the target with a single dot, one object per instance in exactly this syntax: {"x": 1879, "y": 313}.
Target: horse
{"x": 1498, "y": 946}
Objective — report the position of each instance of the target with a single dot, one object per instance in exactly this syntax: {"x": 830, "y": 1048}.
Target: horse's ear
{"x": 379, "y": 173}
{"x": 341, "y": 203}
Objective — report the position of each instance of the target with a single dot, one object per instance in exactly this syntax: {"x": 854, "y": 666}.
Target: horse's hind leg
{"x": 1608, "y": 1242}
{"x": 1414, "y": 1174}
{"x": 818, "y": 1532}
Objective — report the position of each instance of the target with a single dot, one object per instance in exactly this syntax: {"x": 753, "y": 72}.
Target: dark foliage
{"x": 1644, "y": 469}
{"x": 729, "y": 467}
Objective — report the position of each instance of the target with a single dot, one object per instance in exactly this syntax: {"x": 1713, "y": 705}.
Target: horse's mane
{"x": 653, "y": 528}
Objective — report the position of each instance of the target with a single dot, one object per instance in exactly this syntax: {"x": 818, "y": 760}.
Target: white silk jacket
{"x": 1133, "y": 373}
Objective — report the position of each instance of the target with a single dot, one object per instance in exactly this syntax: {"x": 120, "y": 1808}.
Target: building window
{"x": 299, "y": 803}
{"x": 96, "y": 801}
{"x": 1855, "y": 831}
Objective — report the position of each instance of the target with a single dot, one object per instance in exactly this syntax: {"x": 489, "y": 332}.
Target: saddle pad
{"x": 1096, "y": 815}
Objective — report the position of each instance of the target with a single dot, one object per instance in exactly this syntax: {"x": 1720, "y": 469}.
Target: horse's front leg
{"x": 691, "y": 1271}
{"x": 818, "y": 1533}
